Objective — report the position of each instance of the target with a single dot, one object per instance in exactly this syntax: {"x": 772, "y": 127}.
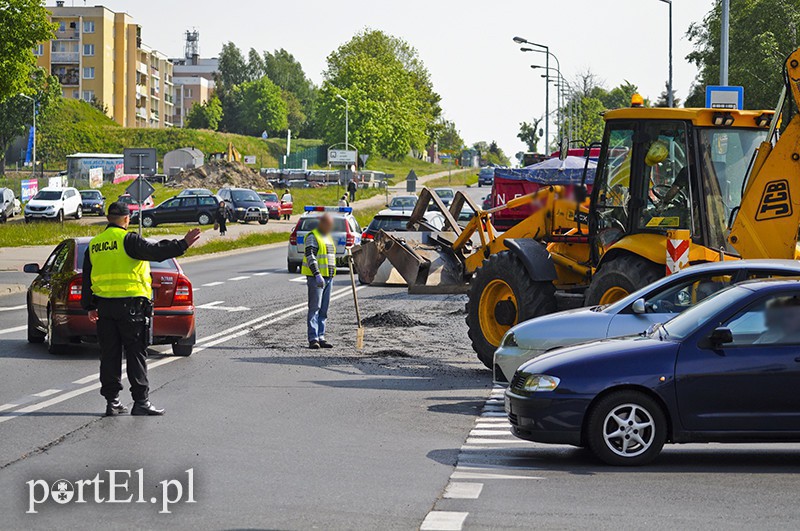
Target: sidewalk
{"x": 13, "y": 258}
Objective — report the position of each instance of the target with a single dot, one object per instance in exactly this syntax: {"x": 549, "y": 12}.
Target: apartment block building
{"x": 98, "y": 54}
{"x": 194, "y": 77}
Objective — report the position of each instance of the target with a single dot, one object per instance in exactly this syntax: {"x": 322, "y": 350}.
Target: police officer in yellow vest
{"x": 117, "y": 292}
{"x": 319, "y": 266}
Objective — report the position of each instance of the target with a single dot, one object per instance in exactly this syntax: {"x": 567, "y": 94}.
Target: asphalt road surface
{"x": 405, "y": 433}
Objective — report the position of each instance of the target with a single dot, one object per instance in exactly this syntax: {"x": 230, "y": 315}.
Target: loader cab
{"x": 666, "y": 169}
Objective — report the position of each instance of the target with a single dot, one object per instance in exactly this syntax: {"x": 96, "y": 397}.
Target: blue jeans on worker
{"x": 318, "y": 301}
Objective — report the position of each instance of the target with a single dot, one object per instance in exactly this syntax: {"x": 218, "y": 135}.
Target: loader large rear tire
{"x": 621, "y": 276}
{"x": 501, "y": 295}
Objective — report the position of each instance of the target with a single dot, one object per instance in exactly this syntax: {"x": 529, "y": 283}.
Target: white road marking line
{"x": 261, "y": 274}
{"x": 443, "y": 521}
{"x": 8, "y": 406}
{"x": 473, "y": 466}
{"x": 219, "y": 338}
{"x": 471, "y": 441}
{"x": 12, "y": 330}
{"x": 91, "y": 378}
{"x": 488, "y": 475}
{"x": 482, "y": 433}
{"x": 47, "y": 392}
{"x": 244, "y": 277}
{"x": 212, "y": 284}
{"x": 298, "y": 279}
{"x": 12, "y": 308}
{"x": 463, "y": 491}
{"x": 216, "y": 306}
{"x": 496, "y": 414}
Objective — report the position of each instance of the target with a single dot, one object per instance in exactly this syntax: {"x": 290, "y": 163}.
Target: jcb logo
{"x": 775, "y": 201}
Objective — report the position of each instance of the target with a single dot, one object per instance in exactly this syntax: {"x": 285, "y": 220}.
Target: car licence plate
{"x": 507, "y": 404}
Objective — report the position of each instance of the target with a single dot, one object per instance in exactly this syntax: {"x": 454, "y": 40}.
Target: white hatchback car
{"x": 54, "y": 203}
{"x": 346, "y": 233}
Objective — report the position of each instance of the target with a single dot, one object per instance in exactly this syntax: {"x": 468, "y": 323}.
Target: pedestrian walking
{"x": 221, "y": 218}
{"x": 286, "y": 198}
{"x": 343, "y": 202}
{"x": 352, "y": 186}
{"x": 117, "y": 292}
{"x": 319, "y": 267}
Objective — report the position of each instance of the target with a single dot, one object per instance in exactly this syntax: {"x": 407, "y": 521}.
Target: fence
{"x": 315, "y": 156}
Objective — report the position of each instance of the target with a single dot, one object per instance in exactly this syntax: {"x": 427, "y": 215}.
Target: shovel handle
{"x": 353, "y": 284}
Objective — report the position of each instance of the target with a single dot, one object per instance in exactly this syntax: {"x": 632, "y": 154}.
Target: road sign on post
{"x": 363, "y": 159}
{"x": 140, "y": 161}
{"x": 140, "y": 189}
{"x": 411, "y": 182}
{"x": 727, "y": 97}
{"x": 342, "y": 156}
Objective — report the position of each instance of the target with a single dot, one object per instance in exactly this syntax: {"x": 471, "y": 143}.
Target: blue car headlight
{"x": 540, "y": 383}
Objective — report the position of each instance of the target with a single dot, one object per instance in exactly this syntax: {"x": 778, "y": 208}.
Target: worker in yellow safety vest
{"x": 319, "y": 266}
{"x": 116, "y": 292}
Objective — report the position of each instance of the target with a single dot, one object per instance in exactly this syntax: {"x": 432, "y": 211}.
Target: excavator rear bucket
{"x": 424, "y": 256}
{"x": 424, "y": 260}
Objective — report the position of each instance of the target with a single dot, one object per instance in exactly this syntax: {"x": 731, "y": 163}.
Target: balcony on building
{"x": 68, "y": 29}
{"x": 68, "y": 77}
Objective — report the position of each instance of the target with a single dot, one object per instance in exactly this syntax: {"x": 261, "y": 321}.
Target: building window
{"x": 88, "y": 95}
{"x": 187, "y": 92}
{"x": 88, "y": 72}
{"x": 38, "y": 50}
{"x": 75, "y": 94}
{"x": 62, "y": 26}
{"x": 88, "y": 49}
{"x": 88, "y": 26}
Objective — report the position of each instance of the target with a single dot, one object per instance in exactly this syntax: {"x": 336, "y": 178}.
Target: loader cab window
{"x": 614, "y": 184}
{"x": 666, "y": 191}
{"x": 725, "y": 156}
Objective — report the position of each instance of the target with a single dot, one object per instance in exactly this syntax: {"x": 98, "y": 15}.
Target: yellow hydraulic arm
{"x": 766, "y": 224}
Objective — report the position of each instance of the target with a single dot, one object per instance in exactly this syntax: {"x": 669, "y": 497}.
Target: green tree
{"x": 393, "y": 108}
{"x": 16, "y": 112}
{"x": 491, "y": 153}
{"x": 23, "y": 24}
{"x": 255, "y": 106}
{"x": 762, "y": 34}
{"x": 294, "y": 112}
{"x": 207, "y": 115}
{"x": 256, "y": 69}
{"x": 232, "y": 69}
{"x": 529, "y": 133}
{"x": 449, "y": 137}
{"x": 663, "y": 98}
{"x": 286, "y": 72}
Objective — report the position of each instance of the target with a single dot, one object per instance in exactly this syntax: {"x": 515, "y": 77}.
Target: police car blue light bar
{"x": 311, "y": 208}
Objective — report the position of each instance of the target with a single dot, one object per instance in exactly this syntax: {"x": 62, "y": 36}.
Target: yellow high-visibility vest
{"x": 322, "y": 256}
{"x": 115, "y": 275}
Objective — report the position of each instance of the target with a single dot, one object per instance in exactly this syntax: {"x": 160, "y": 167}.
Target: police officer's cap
{"x": 118, "y": 209}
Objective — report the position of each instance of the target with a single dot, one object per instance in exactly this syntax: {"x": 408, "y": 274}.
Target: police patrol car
{"x": 346, "y": 233}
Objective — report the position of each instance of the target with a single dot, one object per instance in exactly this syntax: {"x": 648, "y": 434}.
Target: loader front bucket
{"x": 424, "y": 260}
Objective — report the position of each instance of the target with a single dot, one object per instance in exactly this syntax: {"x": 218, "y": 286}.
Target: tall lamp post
{"x": 34, "y": 130}
{"x": 546, "y": 50}
{"x": 346, "y": 121}
{"x": 670, "y": 97}
{"x": 723, "y": 48}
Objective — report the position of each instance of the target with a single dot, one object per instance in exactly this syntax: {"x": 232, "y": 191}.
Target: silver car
{"x": 346, "y": 233}
{"x": 657, "y": 303}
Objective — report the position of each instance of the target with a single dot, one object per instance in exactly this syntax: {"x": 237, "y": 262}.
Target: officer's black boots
{"x": 115, "y": 407}
{"x": 324, "y": 344}
{"x": 144, "y": 407}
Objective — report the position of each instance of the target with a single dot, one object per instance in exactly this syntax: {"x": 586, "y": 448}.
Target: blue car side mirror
{"x": 721, "y": 336}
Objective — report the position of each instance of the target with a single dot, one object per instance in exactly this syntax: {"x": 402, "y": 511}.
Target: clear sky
{"x": 486, "y": 84}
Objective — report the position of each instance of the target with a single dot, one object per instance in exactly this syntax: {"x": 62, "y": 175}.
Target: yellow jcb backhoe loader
{"x": 725, "y": 176}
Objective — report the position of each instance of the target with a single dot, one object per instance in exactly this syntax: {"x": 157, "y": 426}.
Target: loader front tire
{"x": 501, "y": 295}
{"x": 621, "y": 276}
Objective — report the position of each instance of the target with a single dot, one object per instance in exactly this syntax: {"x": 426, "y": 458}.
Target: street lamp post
{"x": 546, "y": 50}
{"x": 346, "y": 121}
{"x": 34, "y": 130}
{"x": 670, "y": 97}
{"x": 723, "y": 48}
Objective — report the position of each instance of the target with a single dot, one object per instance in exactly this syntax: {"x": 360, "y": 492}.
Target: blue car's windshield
{"x": 697, "y": 316}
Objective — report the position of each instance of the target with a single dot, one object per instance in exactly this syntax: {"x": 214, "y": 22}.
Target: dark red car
{"x": 278, "y": 208}
{"x": 54, "y": 302}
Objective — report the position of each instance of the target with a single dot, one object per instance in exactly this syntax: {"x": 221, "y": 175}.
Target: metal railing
{"x": 315, "y": 156}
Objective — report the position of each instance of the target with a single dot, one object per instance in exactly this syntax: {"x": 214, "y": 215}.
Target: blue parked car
{"x": 725, "y": 370}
